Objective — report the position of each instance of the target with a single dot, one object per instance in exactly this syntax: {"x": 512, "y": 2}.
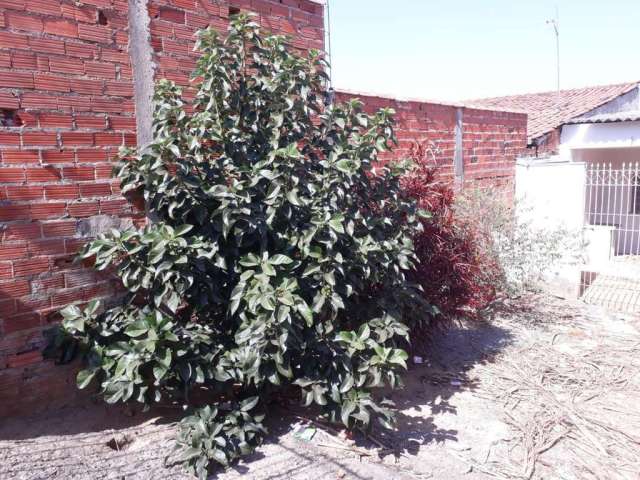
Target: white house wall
{"x": 550, "y": 195}
{"x": 599, "y": 135}
{"x": 551, "y": 192}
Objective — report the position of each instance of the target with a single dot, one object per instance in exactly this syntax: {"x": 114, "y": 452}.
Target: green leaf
{"x": 345, "y": 336}
{"x": 220, "y": 457}
{"x": 336, "y": 223}
{"x": 381, "y": 144}
{"x": 71, "y": 312}
{"x": 347, "y": 409}
{"x": 399, "y": 357}
{"x": 137, "y": 329}
{"x": 174, "y": 149}
{"x": 362, "y": 415}
{"x": 165, "y": 360}
{"x": 306, "y": 313}
{"x": 364, "y": 332}
{"x": 73, "y": 319}
{"x": 188, "y": 453}
{"x": 267, "y": 302}
{"x": 292, "y": 197}
{"x": 310, "y": 270}
{"x": 318, "y": 395}
{"x": 173, "y": 302}
{"x": 318, "y": 302}
{"x": 347, "y": 383}
{"x": 283, "y": 313}
{"x": 346, "y": 166}
{"x": 292, "y": 151}
{"x": 249, "y": 261}
{"x": 84, "y": 377}
{"x": 92, "y": 307}
{"x": 249, "y": 403}
{"x": 280, "y": 260}
{"x": 159, "y": 371}
{"x": 182, "y": 229}
{"x": 268, "y": 269}
{"x": 385, "y": 423}
{"x": 336, "y": 301}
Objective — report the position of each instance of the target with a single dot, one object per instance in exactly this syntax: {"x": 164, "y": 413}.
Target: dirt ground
{"x": 548, "y": 389}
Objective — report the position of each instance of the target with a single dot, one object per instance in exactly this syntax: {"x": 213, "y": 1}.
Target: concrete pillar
{"x": 143, "y": 65}
{"x": 458, "y": 159}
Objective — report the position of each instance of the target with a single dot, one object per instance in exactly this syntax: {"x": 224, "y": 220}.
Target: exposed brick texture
{"x": 547, "y": 144}
{"x": 491, "y": 140}
{"x": 173, "y": 23}
{"x": 72, "y": 117}
{"x": 66, "y": 105}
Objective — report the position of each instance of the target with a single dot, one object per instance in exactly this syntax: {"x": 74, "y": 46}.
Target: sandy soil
{"x": 453, "y": 418}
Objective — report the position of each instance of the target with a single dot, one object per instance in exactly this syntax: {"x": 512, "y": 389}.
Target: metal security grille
{"x": 611, "y": 277}
{"x": 612, "y": 201}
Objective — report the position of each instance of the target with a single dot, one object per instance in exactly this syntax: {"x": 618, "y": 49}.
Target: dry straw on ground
{"x": 572, "y": 399}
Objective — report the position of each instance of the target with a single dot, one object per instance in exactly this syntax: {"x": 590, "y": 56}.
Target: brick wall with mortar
{"x": 173, "y": 22}
{"x": 490, "y": 140}
{"x": 545, "y": 145}
{"x": 69, "y": 98}
{"x": 65, "y": 107}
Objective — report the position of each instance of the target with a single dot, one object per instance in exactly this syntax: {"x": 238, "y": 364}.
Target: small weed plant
{"x": 508, "y": 236}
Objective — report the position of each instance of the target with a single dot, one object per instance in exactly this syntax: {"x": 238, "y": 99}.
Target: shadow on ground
{"x": 447, "y": 359}
{"x": 429, "y": 387}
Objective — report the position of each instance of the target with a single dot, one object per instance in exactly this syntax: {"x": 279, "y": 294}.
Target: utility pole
{"x": 555, "y": 23}
{"x": 327, "y": 13}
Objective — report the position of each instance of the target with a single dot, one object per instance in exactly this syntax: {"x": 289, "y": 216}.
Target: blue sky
{"x": 461, "y": 49}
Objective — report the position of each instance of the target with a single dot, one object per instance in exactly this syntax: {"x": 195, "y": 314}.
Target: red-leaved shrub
{"x": 453, "y": 272}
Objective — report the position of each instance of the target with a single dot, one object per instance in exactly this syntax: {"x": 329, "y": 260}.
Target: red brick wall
{"x": 173, "y": 23}
{"x": 546, "y": 145}
{"x": 418, "y": 121}
{"x": 491, "y": 140}
{"x": 66, "y": 105}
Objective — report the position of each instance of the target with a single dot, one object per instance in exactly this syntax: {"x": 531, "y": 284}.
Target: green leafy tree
{"x": 276, "y": 257}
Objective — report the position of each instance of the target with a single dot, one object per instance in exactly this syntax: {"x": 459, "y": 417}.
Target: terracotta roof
{"x": 542, "y": 109}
